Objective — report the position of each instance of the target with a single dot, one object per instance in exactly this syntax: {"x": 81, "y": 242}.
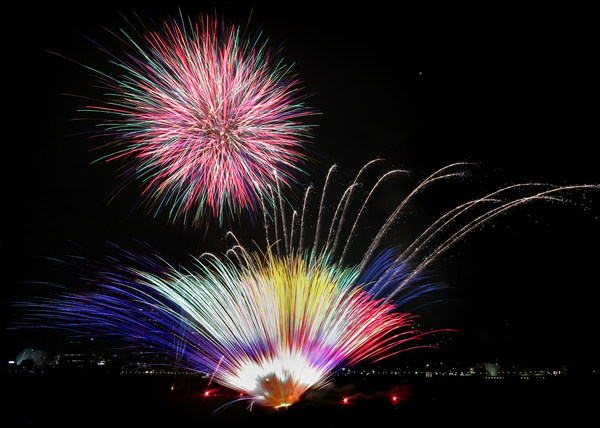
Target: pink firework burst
{"x": 210, "y": 121}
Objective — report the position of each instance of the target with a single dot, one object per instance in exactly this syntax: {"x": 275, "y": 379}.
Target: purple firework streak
{"x": 275, "y": 324}
{"x": 210, "y": 122}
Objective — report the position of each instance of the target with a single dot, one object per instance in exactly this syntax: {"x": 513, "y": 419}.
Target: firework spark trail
{"x": 365, "y": 203}
{"x": 274, "y": 326}
{"x": 210, "y": 121}
{"x": 436, "y": 176}
{"x": 348, "y": 197}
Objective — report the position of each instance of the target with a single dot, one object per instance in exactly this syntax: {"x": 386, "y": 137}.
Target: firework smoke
{"x": 209, "y": 120}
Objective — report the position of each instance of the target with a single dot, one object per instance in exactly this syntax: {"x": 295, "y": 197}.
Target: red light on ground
{"x": 394, "y": 399}
{"x": 345, "y": 400}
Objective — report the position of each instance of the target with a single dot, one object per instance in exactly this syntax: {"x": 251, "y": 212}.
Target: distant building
{"x": 38, "y": 357}
{"x": 492, "y": 369}
{"x": 83, "y": 352}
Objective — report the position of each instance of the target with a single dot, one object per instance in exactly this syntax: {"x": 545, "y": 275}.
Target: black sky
{"x": 508, "y": 89}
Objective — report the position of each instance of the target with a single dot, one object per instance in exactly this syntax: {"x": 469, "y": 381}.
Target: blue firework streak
{"x": 277, "y": 323}
{"x": 271, "y": 328}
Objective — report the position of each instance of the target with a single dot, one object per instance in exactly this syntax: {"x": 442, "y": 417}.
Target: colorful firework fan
{"x": 278, "y": 323}
{"x": 210, "y": 121}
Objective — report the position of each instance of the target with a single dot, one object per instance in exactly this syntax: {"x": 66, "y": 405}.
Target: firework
{"x": 210, "y": 121}
{"x": 276, "y": 323}
{"x": 272, "y": 329}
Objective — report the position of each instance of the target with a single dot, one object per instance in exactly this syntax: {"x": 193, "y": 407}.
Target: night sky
{"x": 508, "y": 89}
